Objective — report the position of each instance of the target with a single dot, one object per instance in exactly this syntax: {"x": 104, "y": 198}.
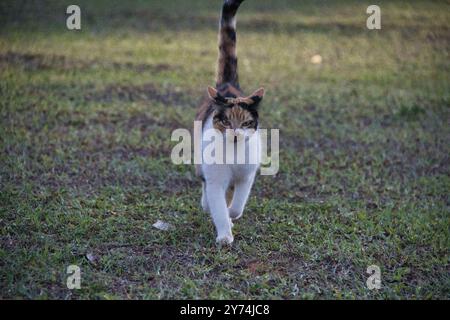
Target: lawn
{"x": 85, "y": 171}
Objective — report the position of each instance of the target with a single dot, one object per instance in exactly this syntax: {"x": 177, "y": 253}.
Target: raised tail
{"x": 227, "y": 62}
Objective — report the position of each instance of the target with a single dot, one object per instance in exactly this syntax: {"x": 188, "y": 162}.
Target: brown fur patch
{"x": 233, "y": 91}
{"x": 238, "y": 100}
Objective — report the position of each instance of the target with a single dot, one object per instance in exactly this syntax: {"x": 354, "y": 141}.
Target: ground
{"x": 86, "y": 119}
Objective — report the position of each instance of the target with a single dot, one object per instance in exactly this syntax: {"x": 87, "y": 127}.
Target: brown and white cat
{"x": 233, "y": 115}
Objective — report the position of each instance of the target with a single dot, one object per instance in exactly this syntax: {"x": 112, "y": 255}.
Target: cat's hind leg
{"x": 204, "y": 201}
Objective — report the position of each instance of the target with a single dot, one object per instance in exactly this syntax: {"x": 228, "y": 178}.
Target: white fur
{"x": 218, "y": 177}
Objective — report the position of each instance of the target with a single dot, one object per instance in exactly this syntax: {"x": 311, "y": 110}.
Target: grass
{"x": 85, "y": 125}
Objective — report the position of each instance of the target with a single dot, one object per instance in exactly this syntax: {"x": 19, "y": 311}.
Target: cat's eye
{"x": 247, "y": 123}
{"x": 225, "y": 122}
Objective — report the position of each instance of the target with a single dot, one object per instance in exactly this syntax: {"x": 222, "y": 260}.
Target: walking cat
{"x": 235, "y": 116}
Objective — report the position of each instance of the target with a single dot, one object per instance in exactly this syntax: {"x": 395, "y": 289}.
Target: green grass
{"x": 85, "y": 124}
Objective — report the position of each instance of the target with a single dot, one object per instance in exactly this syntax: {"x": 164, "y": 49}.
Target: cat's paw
{"x": 225, "y": 239}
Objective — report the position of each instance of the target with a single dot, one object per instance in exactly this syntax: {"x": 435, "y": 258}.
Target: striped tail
{"x": 227, "y": 63}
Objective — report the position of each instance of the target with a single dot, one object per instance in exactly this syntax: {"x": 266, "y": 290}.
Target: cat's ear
{"x": 256, "y": 96}
{"x": 216, "y": 96}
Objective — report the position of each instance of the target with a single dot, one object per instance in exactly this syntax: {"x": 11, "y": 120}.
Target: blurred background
{"x": 86, "y": 119}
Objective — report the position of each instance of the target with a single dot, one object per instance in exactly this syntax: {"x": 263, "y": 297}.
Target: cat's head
{"x": 236, "y": 114}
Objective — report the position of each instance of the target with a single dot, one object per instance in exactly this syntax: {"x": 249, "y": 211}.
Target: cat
{"x": 235, "y": 116}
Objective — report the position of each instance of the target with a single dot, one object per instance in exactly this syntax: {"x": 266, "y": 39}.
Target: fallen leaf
{"x": 161, "y": 225}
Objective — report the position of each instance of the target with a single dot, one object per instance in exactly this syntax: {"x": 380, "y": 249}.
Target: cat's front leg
{"x": 241, "y": 192}
{"x": 215, "y": 195}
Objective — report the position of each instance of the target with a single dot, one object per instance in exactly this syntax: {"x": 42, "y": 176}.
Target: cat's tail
{"x": 227, "y": 62}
